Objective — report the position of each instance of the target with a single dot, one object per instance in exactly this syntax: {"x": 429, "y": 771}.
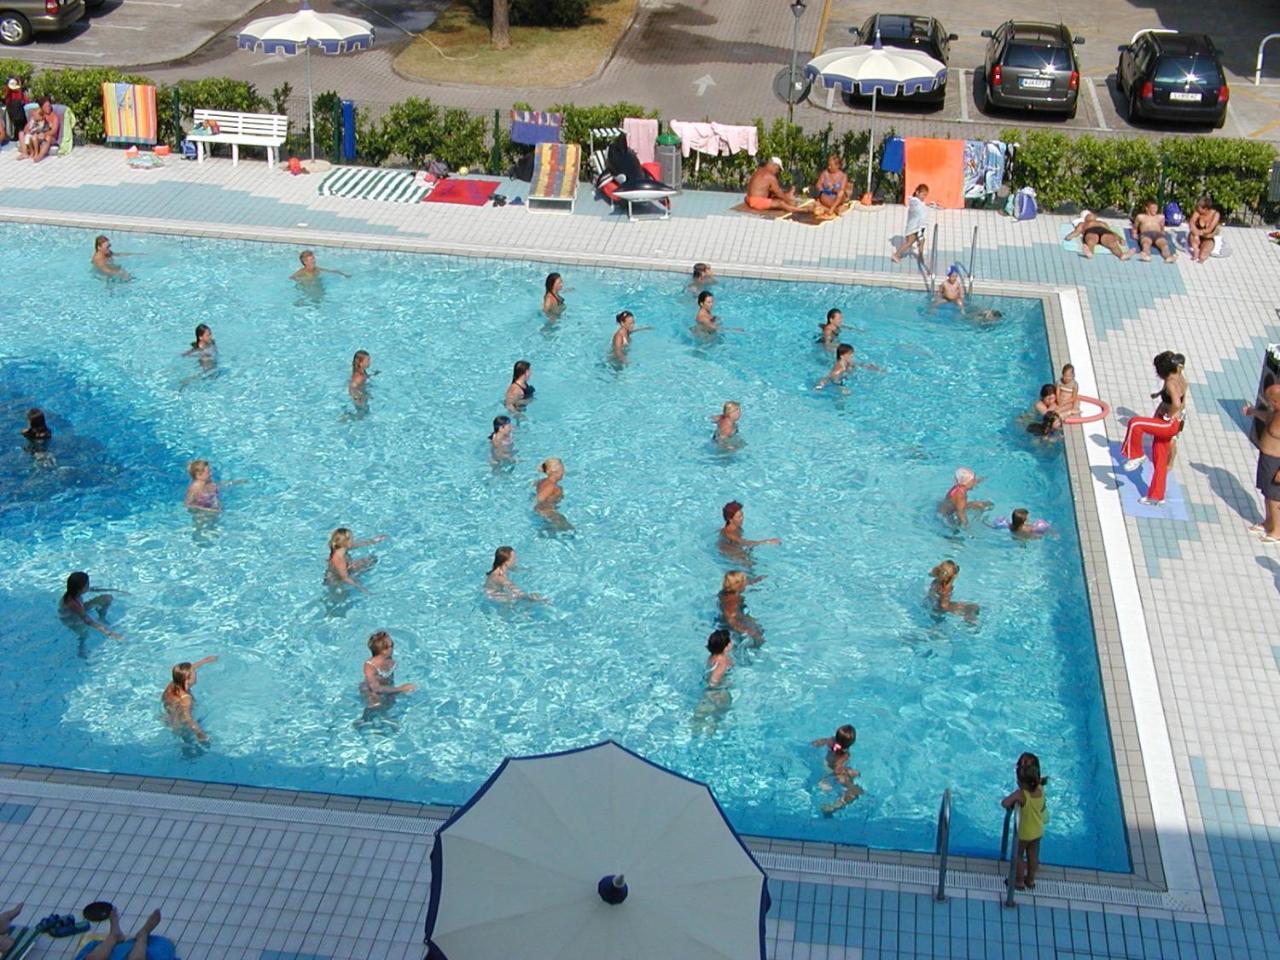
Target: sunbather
{"x": 764, "y": 192}
{"x": 115, "y": 936}
{"x": 1205, "y": 223}
{"x": 1148, "y": 228}
{"x": 6, "y": 918}
{"x": 1093, "y": 231}
{"x": 832, "y": 188}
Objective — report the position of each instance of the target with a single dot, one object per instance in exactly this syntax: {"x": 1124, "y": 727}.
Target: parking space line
{"x": 1263, "y": 129}
{"x": 964, "y": 100}
{"x": 1097, "y": 104}
{"x": 150, "y": 3}
{"x": 116, "y": 26}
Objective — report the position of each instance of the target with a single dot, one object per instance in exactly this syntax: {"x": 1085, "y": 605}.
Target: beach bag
{"x": 1024, "y": 204}
{"x": 1173, "y": 216}
{"x": 188, "y": 150}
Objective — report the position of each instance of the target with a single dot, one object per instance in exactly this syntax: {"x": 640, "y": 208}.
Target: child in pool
{"x": 1047, "y": 430}
{"x": 342, "y": 569}
{"x": 1067, "y": 393}
{"x": 720, "y": 648}
{"x": 497, "y": 582}
{"x": 74, "y": 610}
{"x": 179, "y": 701}
{"x": 1022, "y": 527}
{"x": 944, "y": 581}
{"x": 202, "y": 492}
{"x": 1029, "y": 795}
{"x": 379, "y": 686}
{"x": 837, "y": 759}
{"x": 727, "y": 422}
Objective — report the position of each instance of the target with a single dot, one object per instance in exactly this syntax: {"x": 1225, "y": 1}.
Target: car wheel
{"x": 1071, "y": 114}
{"x": 14, "y": 29}
{"x": 1132, "y": 109}
{"x": 1221, "y": 121}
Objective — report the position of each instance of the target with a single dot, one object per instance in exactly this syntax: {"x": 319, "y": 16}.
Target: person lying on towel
{"x": 764, "y": 192}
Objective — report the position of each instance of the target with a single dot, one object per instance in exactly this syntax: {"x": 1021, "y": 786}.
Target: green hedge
{"x": 538, "y": 13}
{"x": 1120, "y": 173}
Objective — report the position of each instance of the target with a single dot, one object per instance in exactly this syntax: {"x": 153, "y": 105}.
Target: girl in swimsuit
{"x": 379, "y": 684}
{"x": 74, "y": 610}
{"x": 179, "y": 701}
{"x": 1066, "y": 393}
{"x": 501, "y": 440}
{"x": 944, "y": 580}
{"x": 955, "y": 506}
{"x": 552, "y": 300}
{"x": 358, "y": 385}
{"x": 204, "y": 347}
{"x": 733, "y": 612}
{"x": 716, "y": 698}
{"x": 837, "y": 760}
{"x": 497, "y": 582}
{"x": 829, "y": 332}
{"x": 1204, "y": 224}
{"x": 342, "y": 569}
{"x": 202, "y": 492}
{"x": 520, "y": 392}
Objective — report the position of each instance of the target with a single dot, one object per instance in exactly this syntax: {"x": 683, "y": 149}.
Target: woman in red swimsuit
{"x": 1163, "y": 427}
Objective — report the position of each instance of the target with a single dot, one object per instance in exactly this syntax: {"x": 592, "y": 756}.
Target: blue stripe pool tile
{"x": 15, "y": 812}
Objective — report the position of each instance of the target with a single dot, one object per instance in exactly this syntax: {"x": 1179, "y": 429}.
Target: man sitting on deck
{"x": 764, "y": 192}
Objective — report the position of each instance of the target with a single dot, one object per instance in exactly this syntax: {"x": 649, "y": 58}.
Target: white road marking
{"x": 964, "y": 100}
{"x": 1097, "y": 104}
{"x": 116, "y": 26}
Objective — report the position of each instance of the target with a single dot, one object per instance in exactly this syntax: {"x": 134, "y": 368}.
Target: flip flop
{"x": 1270, "y": 539}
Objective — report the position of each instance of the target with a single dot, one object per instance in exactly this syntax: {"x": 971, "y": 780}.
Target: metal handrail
{"x": 1010, "y": 816}
{"x": 931, "y": 278}
{"x": 973, "y": 253}
{"x": 1257, "y": 73}
{"x": 942, "y": 842}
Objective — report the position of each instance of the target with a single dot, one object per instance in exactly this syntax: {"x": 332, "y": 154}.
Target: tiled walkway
{"x": 1210, "y": 598}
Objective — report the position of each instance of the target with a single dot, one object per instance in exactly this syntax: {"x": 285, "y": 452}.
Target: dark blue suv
{"x": 1166, "y": 75}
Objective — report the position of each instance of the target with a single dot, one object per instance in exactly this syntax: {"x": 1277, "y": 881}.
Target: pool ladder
{"x": 931, "y": 273}
{"x": 1010, "y": 817}
{"x": 942, "y": 847}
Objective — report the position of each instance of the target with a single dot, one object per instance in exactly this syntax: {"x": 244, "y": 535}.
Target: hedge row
{"x": 1085, "y": 171}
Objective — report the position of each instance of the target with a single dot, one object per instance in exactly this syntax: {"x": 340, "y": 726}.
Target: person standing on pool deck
{"x": 917, "y": 224}
{"x": 1163, "y": 427}
{"x": 552, "y": 299}
{"x": 72, "y": 608}
{"x": 944, "y": 580}
{"x": 309, "y": 271}
{"x": 837, "y": 760}
{"x": 955, "y": 506}
{"x": 1029, "y": 795}
{"x": 178, "y": 700}
{"x": 1268, "y": 475}
{"x": 732, "y": 543}
{"x": 379, "y": 687}
{"x": 520, "y": 390}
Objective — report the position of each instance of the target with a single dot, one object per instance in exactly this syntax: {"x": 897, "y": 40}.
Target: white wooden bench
{"x": 249, "y": 129}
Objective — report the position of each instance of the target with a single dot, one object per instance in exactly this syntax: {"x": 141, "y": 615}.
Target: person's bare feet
{"x": 1087, "y": 253}
{"x": 152, "y": 922}
{"x": 895, "y": 258}
{"x": 1145, "y": 257}
{"x": 7, "y": 916}
{"x": 115, "y": 930}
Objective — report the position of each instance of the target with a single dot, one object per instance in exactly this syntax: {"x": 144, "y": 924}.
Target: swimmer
{"x": 829, "y": 332}
{"x": 951, "y": 290}
{"x": 733, "y": 613}
{"x": 1067, "y": 393}
{"x": 727, "y": 422}
{"x": 626, "y": 321}
{"x": 202, "y": 492}
{"x": 703, "y": 277}
{"x": 104, "y": 260}
{"x": 73, "y": 608}
{"x": 844, "y": 366}
{"x": 358, "y": 385}
{"x": 1022, "y": 527}
{"x": 837, "y": 760}
{"x": 732, "y": 543}
{"x": 341, "y": 569}
{"x": 1048, "y": 400}
{"x": 309, "y": 272}
{"x": 502, "y": 439}
{"x": 549, "y": 492}
{"x": 497, "y": 582}
{"x": 944, "y": 581}
{"x": 520, "y": 391}
{"x": 705, "y": 322}
{"x": 37, "y": 434}
{"x": 204, "y": 347}
{"x": 955, "y": 506}
{"x": 1049, "y": 429}
{"x": 716, "y": 698}
{"x": 379, "y": 687}
{"x": 179, "y": 701}
{"x": 720, "y": 661}
{"x": 552, "y": 299}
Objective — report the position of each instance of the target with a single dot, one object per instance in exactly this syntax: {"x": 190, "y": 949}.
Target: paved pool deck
{"x": 1196, "y": 663}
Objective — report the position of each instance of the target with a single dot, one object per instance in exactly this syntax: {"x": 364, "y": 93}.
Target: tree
{"x": 499, "y": 32}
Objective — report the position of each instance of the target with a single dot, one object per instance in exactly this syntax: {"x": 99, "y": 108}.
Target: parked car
{"x": 19, "y": 19}
{"x": 909, "y": 32}
{"x": 1166, "y": 75}
{"x": 1033, "y": 66}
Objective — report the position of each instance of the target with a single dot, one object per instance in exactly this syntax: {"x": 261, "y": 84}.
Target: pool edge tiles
{"x": 1138, "y": 815}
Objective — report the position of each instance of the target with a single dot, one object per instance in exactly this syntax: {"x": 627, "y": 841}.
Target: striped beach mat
{"x": 371, "y": 183}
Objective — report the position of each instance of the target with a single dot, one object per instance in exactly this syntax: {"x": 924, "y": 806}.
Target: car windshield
{"x": 1181, "y": 70}
{"x": 909, "y": 32}
{"x": 1037, "y": 57}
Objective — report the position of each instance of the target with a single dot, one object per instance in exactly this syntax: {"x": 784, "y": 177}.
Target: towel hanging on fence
{"x": 532, "y": 127}
{"x": 642, "y": 134}
{"x": 129, "y": 113}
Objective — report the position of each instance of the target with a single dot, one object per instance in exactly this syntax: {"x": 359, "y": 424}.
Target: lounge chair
{"x": 555, "y": 176}
{"x": 24, "y": 938}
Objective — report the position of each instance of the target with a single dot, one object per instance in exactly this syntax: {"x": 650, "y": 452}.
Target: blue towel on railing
{"x": 895, "y": 155}
{"x": 532, "y": 127}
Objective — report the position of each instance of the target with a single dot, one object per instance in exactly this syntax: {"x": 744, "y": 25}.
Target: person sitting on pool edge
{"x": 764, "y": 192}
{"x": 1092, "y": 230}
{"x": 832, "y": 189}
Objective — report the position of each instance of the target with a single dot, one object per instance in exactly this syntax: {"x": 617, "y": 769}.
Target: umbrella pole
{"x": 311, "y": 106}
{"x": 871, "y": 137}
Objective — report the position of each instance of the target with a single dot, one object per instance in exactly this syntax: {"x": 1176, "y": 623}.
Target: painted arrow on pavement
{"x": 703, "y": 82}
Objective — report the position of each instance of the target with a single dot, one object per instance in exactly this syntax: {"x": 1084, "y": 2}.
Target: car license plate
{"x": 1031, "y": 83}
{"x": 1185, "y": 97}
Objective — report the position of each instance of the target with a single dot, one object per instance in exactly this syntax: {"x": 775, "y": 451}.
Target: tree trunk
{"x": 500, "y": 32}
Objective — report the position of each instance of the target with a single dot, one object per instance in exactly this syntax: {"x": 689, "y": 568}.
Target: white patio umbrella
{"x": 874, "y": 70}
{"x": 292, "y": 33}
{"x": 593, "y": 853}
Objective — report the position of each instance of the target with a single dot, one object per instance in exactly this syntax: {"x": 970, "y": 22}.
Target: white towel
{"x": 734, "y": 139}
{"x": 642, "y": 133}
{"x": 696, "y": 136}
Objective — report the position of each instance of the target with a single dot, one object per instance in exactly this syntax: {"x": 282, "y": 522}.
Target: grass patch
{"x": 455, "y": 49}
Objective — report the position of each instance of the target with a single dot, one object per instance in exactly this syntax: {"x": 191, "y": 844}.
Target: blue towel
{"x": 158, "y": 948}
{"x": 894, "y": 157}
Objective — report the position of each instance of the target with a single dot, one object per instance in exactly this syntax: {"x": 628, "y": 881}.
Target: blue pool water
{"x": 849, "y": 483}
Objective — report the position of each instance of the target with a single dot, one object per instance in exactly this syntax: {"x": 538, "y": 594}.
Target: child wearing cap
{"x": 15, "y": 110}
{"x": 955, "y": 506}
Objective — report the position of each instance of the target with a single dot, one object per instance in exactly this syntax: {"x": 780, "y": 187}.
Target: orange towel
{"x": 940, "y": 164}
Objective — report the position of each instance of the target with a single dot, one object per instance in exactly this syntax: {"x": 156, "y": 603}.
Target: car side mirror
{"x": 1078, "y": 41}
{"x": 1123, "y": 48}
{"x": 988, "y": 34}
{"x": 856, "y": 32}
{"x": 951, "y": 37}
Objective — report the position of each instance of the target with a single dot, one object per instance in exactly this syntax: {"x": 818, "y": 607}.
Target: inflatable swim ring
{"x": 1103, "y": 410}
{"x": 1035, "y": 526}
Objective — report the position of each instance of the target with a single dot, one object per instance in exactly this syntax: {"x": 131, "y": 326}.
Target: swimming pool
{"x": 848, "y": 482}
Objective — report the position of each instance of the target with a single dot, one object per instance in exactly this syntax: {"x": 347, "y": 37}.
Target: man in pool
{"x": 764, "y": 192}
{"x": 104, "y": 259}
{"x": 309, "y": 271}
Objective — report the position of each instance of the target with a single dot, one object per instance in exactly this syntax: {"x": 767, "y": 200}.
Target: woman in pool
{"x": 202, "y": 492}
{"x": 379, "y": 687}
{"x": 955, "y": 506}
{"x": 703, "y": 277}
{"x": 705, "y": 321}
{"x": 727, "y": 423}
{"x": 843, "y": 366}
{"x": 552, "y": 298}
{"x": 733, "y": 611}
{"x": 204, "y": 347}
{"x": 74, "y": 609}
{"x": 626, "y": 321}
{"x": 944, "y": 580}
{"x": 520, "y": 391}
{"x": 179, "y": 701}
{"x": 829, "y": 332}
{"x": 37, "y": 434}
{"x": 497, "y": 582}
{"x": 549, "y": 492}
{"x": 1163, "y": 428}
{"x": 1048, "y": 400}
{"x": 837, "y": 760}
{"x": 502, "y": 440}
{"x": 732, "y": 543}
{"x": 341, "y": 568}
{"x": 358, "y": 385}
{"x": 716, "y": 698}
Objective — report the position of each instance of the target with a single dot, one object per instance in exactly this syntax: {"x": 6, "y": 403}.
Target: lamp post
{"x": 794, "y": 86}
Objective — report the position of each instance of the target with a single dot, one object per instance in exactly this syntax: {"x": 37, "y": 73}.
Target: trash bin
{"x": 670, "y": 161}
{"x": 1270, "y": 375}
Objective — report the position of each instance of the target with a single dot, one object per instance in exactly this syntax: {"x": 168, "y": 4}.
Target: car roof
{"x": 902, "y": 24}
{"x": 1184, "y": 44}
{"x": 1040, "y": 32}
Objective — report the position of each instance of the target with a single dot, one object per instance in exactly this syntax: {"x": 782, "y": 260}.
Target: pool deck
{"x": 1193, "y": 662}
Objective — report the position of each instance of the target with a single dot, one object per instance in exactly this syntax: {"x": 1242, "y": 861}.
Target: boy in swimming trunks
{"x": 837, "y": 759}
{"x": 951, "y": 290}
{"x": 1149, "y": 227}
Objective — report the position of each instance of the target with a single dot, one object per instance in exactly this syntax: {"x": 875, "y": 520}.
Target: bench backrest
{"x": 249, "y": 124}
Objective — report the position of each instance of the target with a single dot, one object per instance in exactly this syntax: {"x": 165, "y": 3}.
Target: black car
{"x": 1165, "y": 75}
{"x": 909, "y": 32}
{"x": 1033, "y": 66}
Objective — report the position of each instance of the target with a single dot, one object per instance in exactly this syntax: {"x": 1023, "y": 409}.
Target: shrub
{"x": 80, "y": 88}
{"x": 539, "y": 13}
{"x": 220, "y": 93}
{"x": 416, "y": 128}
{"x": 579, "y": 121}
{"x": 1233, "y": 172}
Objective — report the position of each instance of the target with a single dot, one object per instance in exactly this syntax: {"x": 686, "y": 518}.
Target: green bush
{"x": 1233, "y": 172}
{"x": 416, "y": 128}
{"x": 580, "y": 121}
{"x": 539, "y": 13}
{"x": 11, "y": 67}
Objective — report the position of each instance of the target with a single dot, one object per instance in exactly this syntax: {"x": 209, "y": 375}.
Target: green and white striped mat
{"x": 371, "y": 183}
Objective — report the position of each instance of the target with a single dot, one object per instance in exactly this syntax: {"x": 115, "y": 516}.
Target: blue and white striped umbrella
{"x": 296, "y": 33}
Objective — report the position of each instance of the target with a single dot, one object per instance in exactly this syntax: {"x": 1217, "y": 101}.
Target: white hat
{"x": 777, "y": 160}
{"x": 14, "y": 83}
